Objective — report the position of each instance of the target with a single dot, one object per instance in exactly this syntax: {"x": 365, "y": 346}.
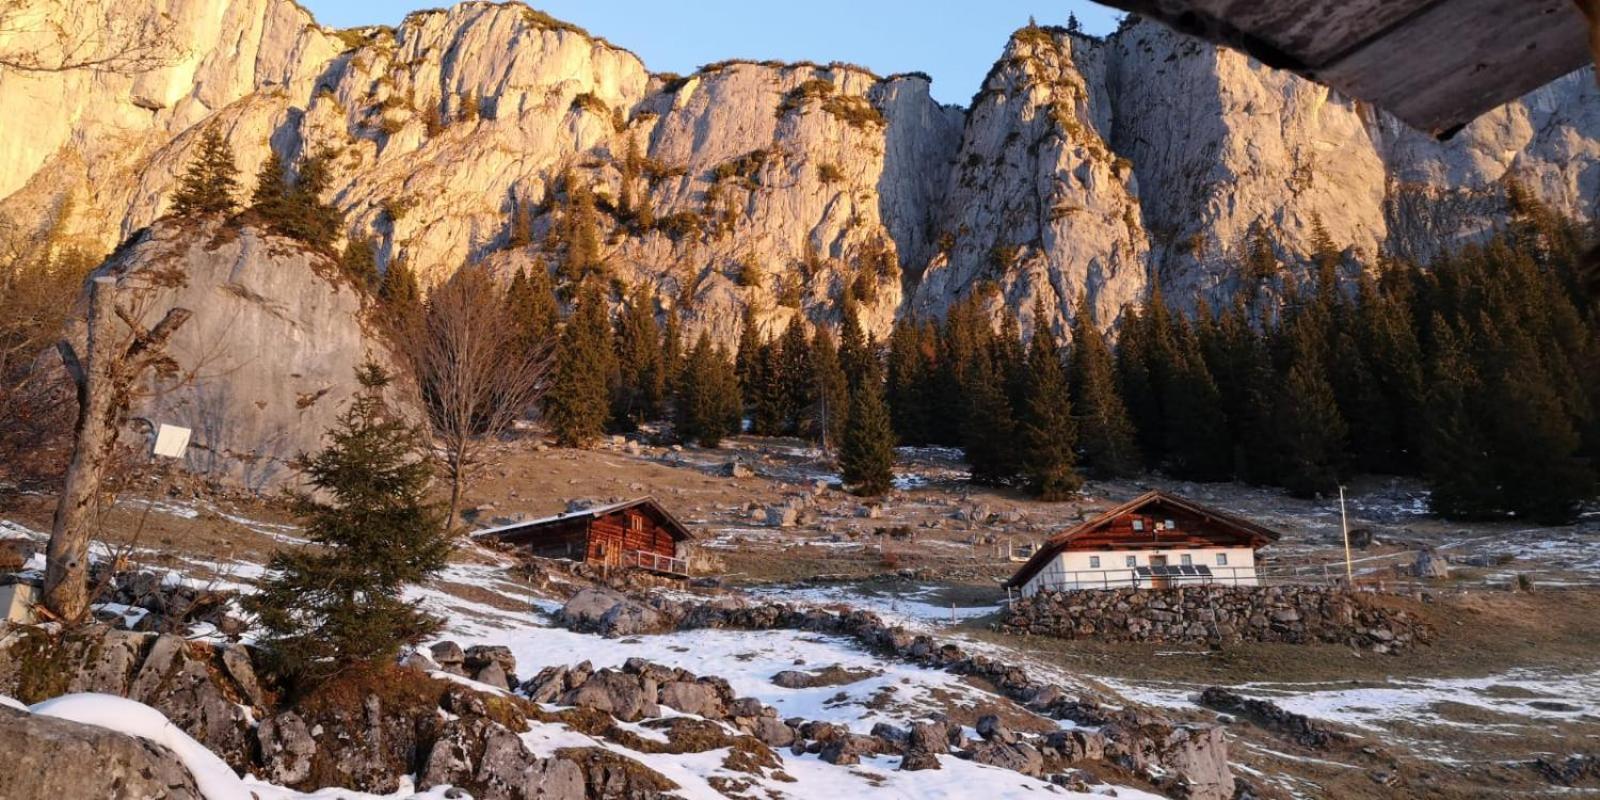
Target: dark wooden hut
{"x": 638, "y": 533}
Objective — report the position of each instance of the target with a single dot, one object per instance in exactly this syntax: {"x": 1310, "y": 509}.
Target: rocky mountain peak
{"x": 1084, "y": 167}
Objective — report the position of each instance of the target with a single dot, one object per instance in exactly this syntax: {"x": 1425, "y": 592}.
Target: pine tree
{"x": 1047, "y": 431}
{"x": 359, "y": 262}
{"x": 576, "y": 405}
{"x": 531, "y": 302}
{"x": 643, "y": 381}
{"x": 831, "y": 405}
{"x": 1105, "y": 433}
{"x": 211, "y": 183}
{"x": 340, "y": 605}
{"x": 1196, "y": 426}
{"x": 708, "y": 395}
{"x": 866, "y": 455}
{"x": 853, "y": 353}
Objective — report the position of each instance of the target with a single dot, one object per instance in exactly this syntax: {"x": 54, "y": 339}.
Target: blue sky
{"x": 954, "y": 41}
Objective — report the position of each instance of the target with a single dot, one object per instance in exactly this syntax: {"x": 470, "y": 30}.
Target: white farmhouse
{"x": 1155, "y": 540}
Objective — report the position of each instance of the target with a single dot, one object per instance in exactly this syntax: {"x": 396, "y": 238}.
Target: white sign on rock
{"x": 171, "y": 441}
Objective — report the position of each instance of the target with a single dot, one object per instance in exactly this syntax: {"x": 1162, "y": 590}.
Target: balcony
{"x": 657, "y": 563}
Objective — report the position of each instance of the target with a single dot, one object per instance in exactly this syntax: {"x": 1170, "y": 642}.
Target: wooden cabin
{"x": 1155, "y": 540}
{"x": 637, "y": 533}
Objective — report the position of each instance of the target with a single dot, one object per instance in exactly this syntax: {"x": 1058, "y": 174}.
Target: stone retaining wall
{"x": 1218, "y": 615}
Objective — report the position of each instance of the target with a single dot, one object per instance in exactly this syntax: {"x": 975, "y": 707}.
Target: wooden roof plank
{"x": 1434, "y": 64}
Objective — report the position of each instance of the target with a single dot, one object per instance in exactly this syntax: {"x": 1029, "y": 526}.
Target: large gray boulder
{"x": 43, "y": 758}
{"x": 611, "y": 614}
{"x": 268, "y": 360}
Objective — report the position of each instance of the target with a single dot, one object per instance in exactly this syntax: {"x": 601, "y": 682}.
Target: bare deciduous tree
{"x": 477, "y": 375}
{"x": 116, "y": 357}
{"x": 67, "y": 35}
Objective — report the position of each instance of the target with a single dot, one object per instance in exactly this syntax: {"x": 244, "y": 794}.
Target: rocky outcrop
{"x": 267, "y": 362}
{"x": 1219, "y": 615}
{"x": 1085, "y": 165}
{"x": 1297, "y": 727}
{"x": 43, "y": 758}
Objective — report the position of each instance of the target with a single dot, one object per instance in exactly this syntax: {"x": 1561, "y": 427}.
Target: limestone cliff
{"x": 1084, "y": 166}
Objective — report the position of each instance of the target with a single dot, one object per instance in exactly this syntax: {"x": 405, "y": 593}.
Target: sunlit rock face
{"x": 1084, "y": 168}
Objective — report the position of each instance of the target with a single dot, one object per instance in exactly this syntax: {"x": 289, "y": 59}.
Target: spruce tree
{"x": 765, "y": 401}
{"x": 746, "y": 359}
{"x": 1310, "y": 431}
{"x": 576, "y": 406}
{"x": 642, "y": 386}
{"x": 271, "y": 196}
{"x": 707, "y": 405}
{"x": 866, "y": 456}
{"x": 340, "y": 605}
{"x": 580, "y": 233}
{"x": 211, "y": 183}
{"x": 1047, "y": 431}
{"x": 297, "y": 211}
{"x": 399, "y": 292}
{"x": 990, "y": 431}
{"x": 831, "y": 406}
{"x": 854, "y": 355}
{"x": 531, "y": 302}
{"x": 1455, "y": 453}
{"x": 359, "y": 262}
{"x": 672, "y": 352}
{"x": 796, "y": 377}
{"x": 906, "y": 383}
{"x": 1105, "y": 433}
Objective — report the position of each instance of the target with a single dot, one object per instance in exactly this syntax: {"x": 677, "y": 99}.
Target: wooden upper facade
{"x": 1151, "y": 521}
{"x": 637, "y": 533}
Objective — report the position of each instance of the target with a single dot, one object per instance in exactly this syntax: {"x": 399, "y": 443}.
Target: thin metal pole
{"x": 1344, "y": 523}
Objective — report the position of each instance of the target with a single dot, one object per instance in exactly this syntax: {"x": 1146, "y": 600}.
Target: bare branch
{"x": 43, "y": 36}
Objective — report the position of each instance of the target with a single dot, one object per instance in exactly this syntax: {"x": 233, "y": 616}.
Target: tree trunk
{"x": 104, "y": 379}
{"x": 95, "y": 439}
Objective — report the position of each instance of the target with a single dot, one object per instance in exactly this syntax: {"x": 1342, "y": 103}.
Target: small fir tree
{"x": 339, "y": 606}
{"x": 211, "y": 183}
{"x": 359, "y": 263}
{"x": 830, "y": 408}
{"x": 643, "y": 381}
{"x": 531, "y": 302}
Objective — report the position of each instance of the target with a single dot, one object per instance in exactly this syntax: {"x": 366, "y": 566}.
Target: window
{"x": 1171, "y": 525}
{"x": 1133, "y": 561}
{"x": 1138, "y": 524}
{"x": 1094, "y": 562}
{"x": 1186, "y": 560}
{"x": 1222, "y": 559}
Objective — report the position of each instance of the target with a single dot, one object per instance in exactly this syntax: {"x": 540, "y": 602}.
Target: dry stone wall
{"x": 1219, "y": 615}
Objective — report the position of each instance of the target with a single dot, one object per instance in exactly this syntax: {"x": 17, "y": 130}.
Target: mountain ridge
{"x": 1085, "y": 165}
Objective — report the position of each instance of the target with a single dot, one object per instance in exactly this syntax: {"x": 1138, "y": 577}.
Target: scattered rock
{"x": 829, "y": 676}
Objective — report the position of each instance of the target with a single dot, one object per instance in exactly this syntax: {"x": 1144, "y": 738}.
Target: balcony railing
{"x": 1122, "y": 577}
{"x": 655, "y": 562}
